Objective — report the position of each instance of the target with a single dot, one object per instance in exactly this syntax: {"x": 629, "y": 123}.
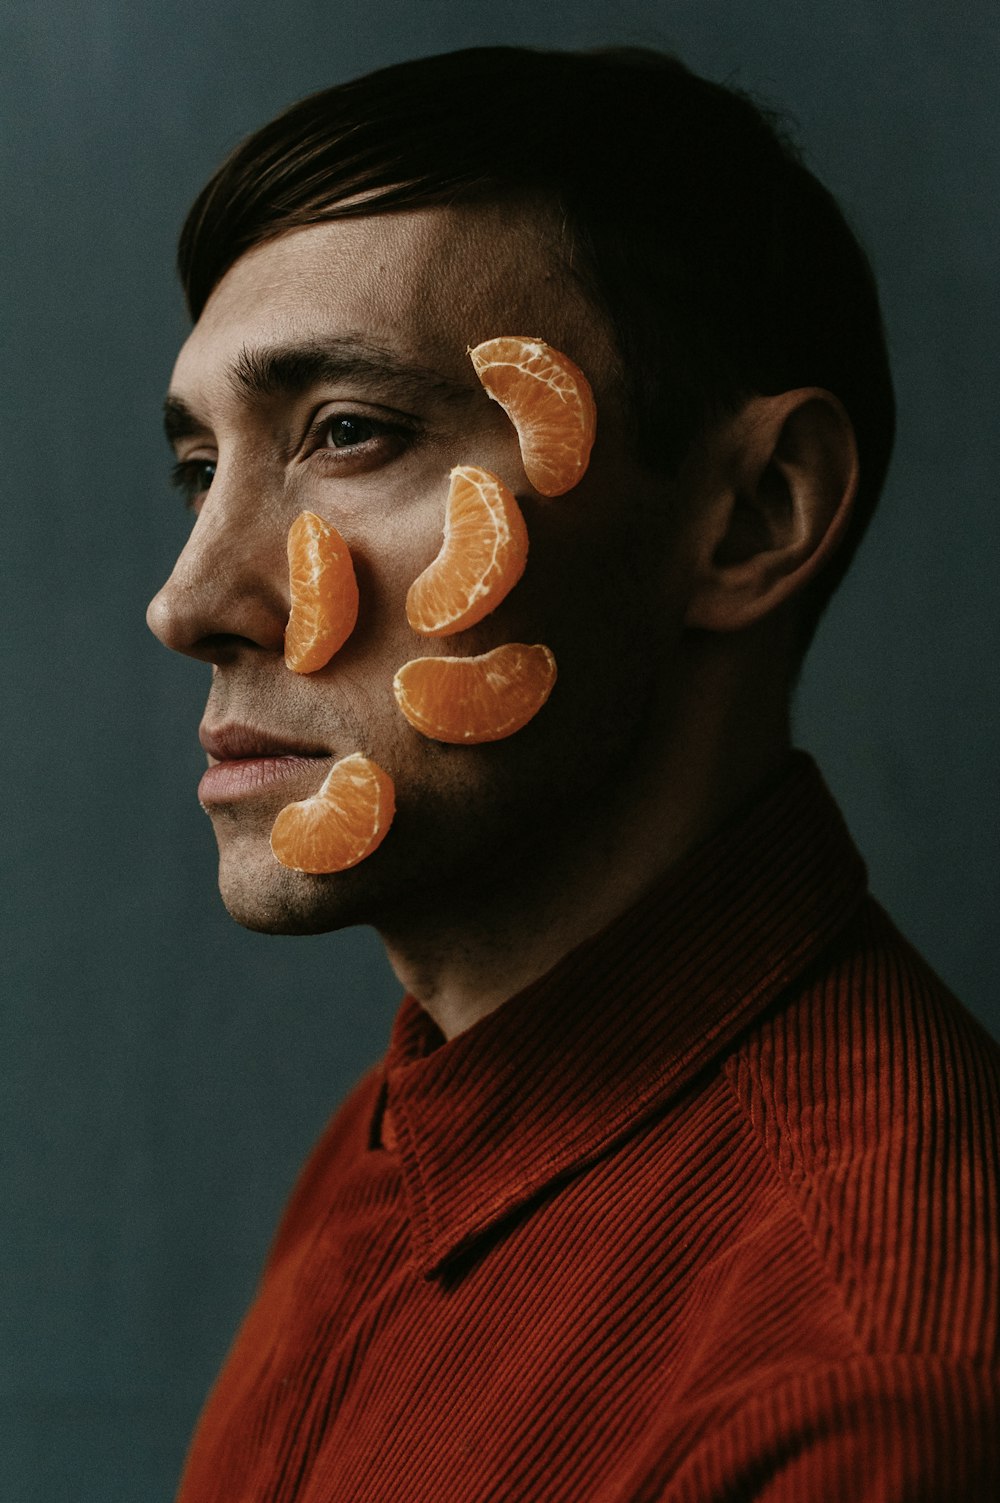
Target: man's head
{"x": 655, "y": 228}
{"x": 724, "y": 268}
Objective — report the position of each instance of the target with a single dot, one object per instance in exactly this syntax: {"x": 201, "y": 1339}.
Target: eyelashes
{"x": 348, "y": 430}
{"x": 345, "y": 441}
{"x": 192, "y": 477}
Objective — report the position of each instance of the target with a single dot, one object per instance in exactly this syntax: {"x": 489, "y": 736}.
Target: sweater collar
{"x": 564, "y": 1070}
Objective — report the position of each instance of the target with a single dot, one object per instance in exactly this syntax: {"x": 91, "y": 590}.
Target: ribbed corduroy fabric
{"x": 708, "y": 1212}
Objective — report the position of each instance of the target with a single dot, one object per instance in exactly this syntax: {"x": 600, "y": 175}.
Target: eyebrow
{"x": 291, "y": 370}
{"x": 179, "y": 421}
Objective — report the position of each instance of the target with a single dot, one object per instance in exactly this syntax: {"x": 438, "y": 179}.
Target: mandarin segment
{"x": 341, "y": 824}
{"x": 465, "y": 701}
{"x": 481, "y": 559}
{"x": 323, "y": 590}
{"x": 548, "y": 399}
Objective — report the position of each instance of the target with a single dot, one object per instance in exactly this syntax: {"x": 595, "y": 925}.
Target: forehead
{"x": 424, "y": 284}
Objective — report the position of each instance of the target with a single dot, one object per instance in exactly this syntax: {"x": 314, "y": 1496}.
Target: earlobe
{"x": 781, "y": 501}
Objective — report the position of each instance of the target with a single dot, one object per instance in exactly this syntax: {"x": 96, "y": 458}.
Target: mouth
{"x": 243, "y": 761}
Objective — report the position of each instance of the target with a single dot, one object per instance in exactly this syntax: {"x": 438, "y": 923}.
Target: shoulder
{"x": 874, "y": 1430}
{"x": 876, "y": 1096}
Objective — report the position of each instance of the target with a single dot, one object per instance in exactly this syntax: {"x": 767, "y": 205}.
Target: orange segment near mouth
{"x": 341, "y": 824}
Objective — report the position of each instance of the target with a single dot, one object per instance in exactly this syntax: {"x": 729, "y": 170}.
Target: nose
{"x": 229, "y": 587}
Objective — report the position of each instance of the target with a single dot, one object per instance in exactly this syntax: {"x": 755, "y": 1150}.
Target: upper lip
{"x": 227, "y": 743}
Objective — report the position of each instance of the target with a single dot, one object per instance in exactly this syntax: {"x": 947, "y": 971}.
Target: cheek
{"x": 595, "y": 589}
{"x": 607, "y": 610}
{"x": 588, "y": 593}
{"x": 387, "y": 559}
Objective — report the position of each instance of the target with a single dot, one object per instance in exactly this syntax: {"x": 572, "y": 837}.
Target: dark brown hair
{"x": 724, "y": 267}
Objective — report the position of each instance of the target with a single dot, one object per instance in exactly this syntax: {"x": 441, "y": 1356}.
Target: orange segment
{"x": 324, "y": 593}
{"x": 549, "y": 401}
{"x": 468, "y": 700}
{"x": 481, "y": 560}
{"x": 341, "y": 824}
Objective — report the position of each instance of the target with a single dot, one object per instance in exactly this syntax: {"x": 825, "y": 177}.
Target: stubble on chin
{"x": 273, "y": 900}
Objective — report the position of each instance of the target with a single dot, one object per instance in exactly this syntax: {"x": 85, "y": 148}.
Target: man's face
{"x": 329, "y": 372}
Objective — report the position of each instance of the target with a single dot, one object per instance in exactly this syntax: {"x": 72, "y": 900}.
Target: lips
{"x": 245, "y": 761}
{"x": 231, "y": 743}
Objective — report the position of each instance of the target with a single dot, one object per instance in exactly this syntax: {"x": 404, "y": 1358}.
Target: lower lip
{"x": 248, "y": 775}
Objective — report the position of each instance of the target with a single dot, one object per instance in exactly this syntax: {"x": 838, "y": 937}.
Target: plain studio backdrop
{"x": 164, "y": 1072}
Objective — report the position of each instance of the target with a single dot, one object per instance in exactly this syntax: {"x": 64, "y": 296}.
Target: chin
{"x": 449, "y": 852}
{"x": 278, "y": 901}
{"x": 263, "y": 920}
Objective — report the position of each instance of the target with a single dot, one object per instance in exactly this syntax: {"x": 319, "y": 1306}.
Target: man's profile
{"x": 678, "y": 1180}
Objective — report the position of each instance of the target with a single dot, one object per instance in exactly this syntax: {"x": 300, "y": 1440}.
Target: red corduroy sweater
{"x": 708, "y": 1212}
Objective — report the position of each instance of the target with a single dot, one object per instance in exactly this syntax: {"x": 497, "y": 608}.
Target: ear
{"x": 779, "y": 484}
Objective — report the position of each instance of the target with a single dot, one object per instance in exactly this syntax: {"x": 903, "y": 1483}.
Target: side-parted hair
{"x": 723, "y": 266}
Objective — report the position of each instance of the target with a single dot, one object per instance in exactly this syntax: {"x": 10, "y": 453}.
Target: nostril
{"x": 228, "y": 587}
{"x": 216, "y": 627}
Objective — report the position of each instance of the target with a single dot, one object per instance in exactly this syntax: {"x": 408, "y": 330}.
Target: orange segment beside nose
{"x": 323, "y": 590}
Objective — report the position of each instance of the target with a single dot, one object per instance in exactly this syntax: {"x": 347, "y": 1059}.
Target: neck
{"x": 479, "y": 951}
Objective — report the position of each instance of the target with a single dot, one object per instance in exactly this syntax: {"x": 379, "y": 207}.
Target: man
{"x": 678, "y": 1180}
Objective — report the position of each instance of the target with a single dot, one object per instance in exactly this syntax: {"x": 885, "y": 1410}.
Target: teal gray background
{"x": 162, "y": 1072}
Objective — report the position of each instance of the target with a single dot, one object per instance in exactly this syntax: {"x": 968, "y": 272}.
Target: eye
{"x": 192, "y": 477}
{"x": 351, "y": 443}
{"x": 345, "y": 430}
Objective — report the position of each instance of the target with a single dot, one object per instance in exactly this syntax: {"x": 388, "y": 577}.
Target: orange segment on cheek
{"x": 341, "y": 824}
{"x": 469, "y": 700}
{"x": 550, "y": 403}
{"x": 324, "y": 593}
{"x": 481, "y": 560}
